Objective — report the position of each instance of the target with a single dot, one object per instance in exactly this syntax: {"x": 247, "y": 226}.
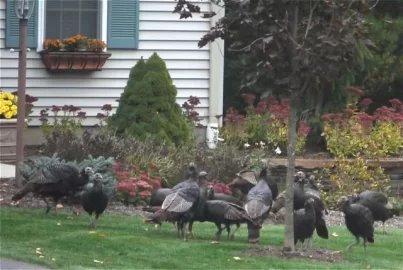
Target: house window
{"x": 65, "y": 18}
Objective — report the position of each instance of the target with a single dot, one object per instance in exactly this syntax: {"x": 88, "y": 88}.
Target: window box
{"x": 74, "y": 61}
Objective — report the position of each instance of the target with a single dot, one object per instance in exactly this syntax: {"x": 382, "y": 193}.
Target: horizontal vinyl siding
{"x": 161, "y": 31}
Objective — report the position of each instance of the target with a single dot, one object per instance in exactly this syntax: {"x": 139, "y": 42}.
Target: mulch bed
{"x": 311, "y": 254}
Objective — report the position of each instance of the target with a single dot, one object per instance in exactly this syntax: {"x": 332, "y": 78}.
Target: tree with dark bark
{"x": 295, "y": 47}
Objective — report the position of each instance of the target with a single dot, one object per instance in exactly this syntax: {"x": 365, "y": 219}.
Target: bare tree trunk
{"x": 289, "y": 193}
{"x": 292, "y": 140}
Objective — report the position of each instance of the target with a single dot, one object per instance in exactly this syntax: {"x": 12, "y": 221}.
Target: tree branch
{"x": 310, "y": 18}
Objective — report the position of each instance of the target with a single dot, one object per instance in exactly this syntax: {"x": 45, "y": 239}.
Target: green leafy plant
{"x": 148, "y": 105}
{"x": 357, "y": 133}
{"x": 266, "y": 123}
{"x": 352, "y": 176}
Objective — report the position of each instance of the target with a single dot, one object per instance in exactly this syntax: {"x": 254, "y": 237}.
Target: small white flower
{"x": 262, "y": 143}
{"x": 246, "y": 145}
{"x": 256, "y": 144}
{"x": 278, "y": 151}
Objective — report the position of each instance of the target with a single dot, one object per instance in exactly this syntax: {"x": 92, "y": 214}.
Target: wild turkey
{"x": 258, "y": 203}
{"x": 359, "y": 221}
{"x": 180, "y": 202}
{"x": 300, "y": 197}
{"x": 310, "y": 187}
{"x": 156, "y": 200}
{"x": 377, "y": 203}
{"x": 246, "y": 180}
{"x": 219, "y": 212}
{"x": 55, "y": 180}
{"x": 304, "y": 223}
{"x": 212, "y": 195}
{"x": 95, "y": 200}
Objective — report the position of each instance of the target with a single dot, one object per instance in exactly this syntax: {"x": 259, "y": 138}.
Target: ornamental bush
{"x": 356, "y": 133}
{"x": 352, "y": 176}
{"x": 136, "y": 183}
{"x": 264, "y": 124}
{"x": 148, "y": 105}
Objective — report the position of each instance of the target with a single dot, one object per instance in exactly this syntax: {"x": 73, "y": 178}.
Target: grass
{"x": 126, "y": 242}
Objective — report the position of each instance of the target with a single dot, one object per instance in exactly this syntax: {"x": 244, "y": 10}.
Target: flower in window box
{"x": 52, "y": 45}
{"x": 75, "y": 43}
{"x": 95, "y": 45}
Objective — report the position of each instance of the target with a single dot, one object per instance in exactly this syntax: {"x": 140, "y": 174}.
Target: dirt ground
{"x": 7, "y": 190}
{"x": 311, "y": 254}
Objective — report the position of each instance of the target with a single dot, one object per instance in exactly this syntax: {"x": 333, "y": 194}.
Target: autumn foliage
{"x": 135, "y": 185}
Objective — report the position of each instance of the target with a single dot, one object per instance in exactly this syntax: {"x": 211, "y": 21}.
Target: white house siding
{"x": 160, "y": 30}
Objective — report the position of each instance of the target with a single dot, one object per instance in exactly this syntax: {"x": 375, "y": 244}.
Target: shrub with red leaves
{"x": 219, "y": 187}
{"x": 190, "y": 113}
{"x": 134, "y": 184}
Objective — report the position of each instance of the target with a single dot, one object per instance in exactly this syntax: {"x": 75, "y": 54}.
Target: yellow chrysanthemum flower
{"x": 13, "y": 107}
{"x": 10, "y": 96}
{"x": 3, "y": 95}
{"x": 8, "y": 103}
{"x": 8, "y": 114}
{"x": 15, "y": 112}
{"x": 5, "y": 109}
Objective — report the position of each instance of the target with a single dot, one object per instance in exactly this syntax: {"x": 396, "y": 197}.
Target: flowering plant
{"x": 135, "y": 184}
{"x": 74, "y": 43}
{"x": 355, "y": 132}
{"x": 264, "y": 125}
{"x": 95, "y": 45}
{"x": 8, "y": 105}
{"x": 219, "y": 187}
{"x": 52, "y": 45}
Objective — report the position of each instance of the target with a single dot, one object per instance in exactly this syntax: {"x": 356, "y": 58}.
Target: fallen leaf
{"x": 41, "y": 257}
{"x": 102, "y": 235}
{"x": 156, "y": 226}
{"x": 215, "y": 242}
{"x": 52, "y": 259}
{"x": 38, "y": 248}
{"x": 335, "y": 234}
{"x": 58, "y": 206}
{"x": 38, "y": 252}
{"x": 369, "y": 266}
{"x": 236, "y": 258}
{"x": 96, "y": 261}
{"x": 92, "y": 232}
{"x": 70, "y": 217}
{"x": 58, "y": 224}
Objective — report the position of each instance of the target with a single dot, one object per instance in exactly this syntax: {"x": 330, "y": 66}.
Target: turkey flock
{"x": 193, "y": 201}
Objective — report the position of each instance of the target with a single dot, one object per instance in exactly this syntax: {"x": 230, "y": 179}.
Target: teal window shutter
{"x": 13, "y": 27}
{"x": 123, "y": 24}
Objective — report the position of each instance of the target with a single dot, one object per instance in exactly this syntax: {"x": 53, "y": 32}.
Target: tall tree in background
{"x": 295, "y": 47}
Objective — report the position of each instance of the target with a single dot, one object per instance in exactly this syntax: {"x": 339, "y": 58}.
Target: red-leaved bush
{"x": 219, "y": 187}
{"x": 354, "y": 132}
{"x": 134, "y": 184}
{"x": 265, "y": 124}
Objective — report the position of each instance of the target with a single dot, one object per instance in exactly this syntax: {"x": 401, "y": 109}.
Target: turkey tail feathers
{"x": 321, "y": 228}
{"x": 22, "y": 192}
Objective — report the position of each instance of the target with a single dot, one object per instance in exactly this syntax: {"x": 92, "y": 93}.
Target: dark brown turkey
{"x": 55, "y": 180}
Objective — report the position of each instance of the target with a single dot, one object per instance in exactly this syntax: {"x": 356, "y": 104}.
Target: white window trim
{"x": 42, "y": 23}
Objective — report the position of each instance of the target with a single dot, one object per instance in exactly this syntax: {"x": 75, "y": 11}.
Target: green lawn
{"x": 126, "y": 242}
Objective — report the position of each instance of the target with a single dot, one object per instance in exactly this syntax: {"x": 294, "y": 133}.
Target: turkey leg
{"x": 236, "y": 229}
{"x": 48, "y": 207}
{"x": 357, "y": 241}
{"x": 384, "y": 232}
{"x": 92, "y": 226}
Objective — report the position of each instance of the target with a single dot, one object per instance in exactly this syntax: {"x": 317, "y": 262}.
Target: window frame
{"x": 102, "y": 24}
